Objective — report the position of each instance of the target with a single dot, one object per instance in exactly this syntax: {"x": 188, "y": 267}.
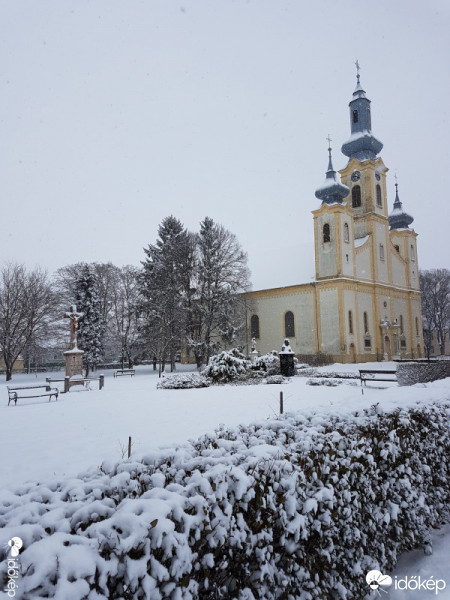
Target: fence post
{"x": 47, "y": 380}
{"x": 66, "y": 383}
{"x": 129, "y": 446}
{"x": 101, "y": 381}
{"x": 281, "y": 403}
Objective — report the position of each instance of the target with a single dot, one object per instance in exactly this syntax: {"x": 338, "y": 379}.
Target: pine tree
{"x": 91, "y": 325}
{"x": 165, "y": 290}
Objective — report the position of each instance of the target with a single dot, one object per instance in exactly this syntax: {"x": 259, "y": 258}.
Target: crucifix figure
{"x": 74, "y": 317}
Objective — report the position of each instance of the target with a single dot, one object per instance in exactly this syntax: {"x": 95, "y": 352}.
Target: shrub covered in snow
{"x": 183, "y": 381}
{"x": 277, "y": 379}
{"x": 294, "y": 508}
{"x": 226, "y": 366}
{"x": 329, "y": 382}
{"x": 422, "y": 372}
{"x": 269, "y": 363}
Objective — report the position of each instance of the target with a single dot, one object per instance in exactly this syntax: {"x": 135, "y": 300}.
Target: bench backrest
{"x": 26, "y": 387}
{"x": 374, "y": 372}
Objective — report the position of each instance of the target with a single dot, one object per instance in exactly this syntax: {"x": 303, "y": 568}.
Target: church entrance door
{"x": 387, "y": 348}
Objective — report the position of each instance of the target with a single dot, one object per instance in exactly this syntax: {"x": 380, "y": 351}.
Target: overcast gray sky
{"x": 114, "y": 115}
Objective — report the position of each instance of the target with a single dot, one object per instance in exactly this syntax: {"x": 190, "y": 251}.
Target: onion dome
{"x": 332, "y": 191}
{"x": 398, "y": 219}
{"x": 362, "y": 145}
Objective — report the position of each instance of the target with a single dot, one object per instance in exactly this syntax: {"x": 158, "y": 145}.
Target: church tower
{"x": 333, "y": 227}
{"x": 365, "y": 175}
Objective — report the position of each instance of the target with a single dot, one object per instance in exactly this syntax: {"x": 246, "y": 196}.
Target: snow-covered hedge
{"x": 422, "y": 372}
{"x": 297, "y": 508}
{"x": 183, "y": 381}
{"x": 226, "y": 366}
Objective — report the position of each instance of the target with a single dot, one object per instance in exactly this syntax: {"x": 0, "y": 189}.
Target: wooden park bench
{"x": 14, "y": 393}
{"x": 120, "y": 372}
{"x": 85, "y": 380}
{"x": 376, "y": 375}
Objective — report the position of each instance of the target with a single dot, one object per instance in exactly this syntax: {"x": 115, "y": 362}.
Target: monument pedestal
{"x": 74, "y": 366}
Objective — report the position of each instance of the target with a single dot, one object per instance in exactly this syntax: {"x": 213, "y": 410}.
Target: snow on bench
{"x": 14, "y": 393}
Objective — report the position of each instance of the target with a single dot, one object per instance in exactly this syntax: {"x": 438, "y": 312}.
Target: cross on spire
{"x": 357, "y": 69}
{"x": 329, "y": 142}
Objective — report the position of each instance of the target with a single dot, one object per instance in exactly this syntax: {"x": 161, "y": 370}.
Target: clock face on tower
{"x": 356, "y": 175}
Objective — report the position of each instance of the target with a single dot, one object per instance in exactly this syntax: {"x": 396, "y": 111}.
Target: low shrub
{"x": 269, "y": 363}
{"x": 227, "y": 366}
{"x": 276, "y": 379}
{"x": 183, "y": 381}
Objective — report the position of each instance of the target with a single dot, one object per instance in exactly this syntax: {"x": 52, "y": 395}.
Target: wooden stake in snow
{"x": 281, "y": 403}
{"x": 129, "y": 446}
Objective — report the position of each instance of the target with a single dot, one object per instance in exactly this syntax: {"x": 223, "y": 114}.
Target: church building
{"x": 365, "y": 303}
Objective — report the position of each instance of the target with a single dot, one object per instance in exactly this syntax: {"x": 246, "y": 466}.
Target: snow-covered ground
{"x": 43, "y": 440}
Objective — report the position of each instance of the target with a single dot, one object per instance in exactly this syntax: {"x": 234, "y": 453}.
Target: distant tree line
{"x": 186, "y": 297}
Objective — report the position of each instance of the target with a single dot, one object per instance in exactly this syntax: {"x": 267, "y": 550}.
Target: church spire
{"x": 362, "y": 145}
{"x": 331, "y": 191}
{"x": 398, "y": 218}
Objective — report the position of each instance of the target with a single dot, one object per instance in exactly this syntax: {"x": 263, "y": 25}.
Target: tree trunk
{"x": 8, "y": 373}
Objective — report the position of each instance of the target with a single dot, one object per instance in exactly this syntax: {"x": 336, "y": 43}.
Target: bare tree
{"x": 222, "y": 275}
{"x": 27, "y": 305}
{"x": 124, "y": 307}
{"x": 435, "y": 286}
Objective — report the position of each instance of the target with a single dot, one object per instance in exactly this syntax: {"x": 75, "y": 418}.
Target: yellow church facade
{"x": 365, "y": 302}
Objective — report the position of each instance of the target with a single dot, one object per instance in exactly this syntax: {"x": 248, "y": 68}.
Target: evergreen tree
{"x": 91, "y": 325}
{"x": 165, "y": 290}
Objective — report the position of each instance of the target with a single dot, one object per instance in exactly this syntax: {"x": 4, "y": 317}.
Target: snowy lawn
{"x": 80, "y": 430}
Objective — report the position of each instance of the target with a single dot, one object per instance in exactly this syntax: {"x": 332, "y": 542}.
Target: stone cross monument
{"x": 74, "y": 356}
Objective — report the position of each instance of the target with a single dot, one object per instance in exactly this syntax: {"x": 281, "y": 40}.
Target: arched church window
{"x": 326, "y": 233}
{"x": 417, "y": 326}
{"x": 355, "y": 116}
{"x": 356, "y": 196}
{"x": 413, "y": 256}
{"x": 346, "y": 233}
{"x": 379, "y": 200}
{"x": 401, "y": 323}
{"x": 289, "y": 324}
{"x": 254, "y": 326}
{"x": 366, "y": 324}
{"x": 350, "y": 322}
